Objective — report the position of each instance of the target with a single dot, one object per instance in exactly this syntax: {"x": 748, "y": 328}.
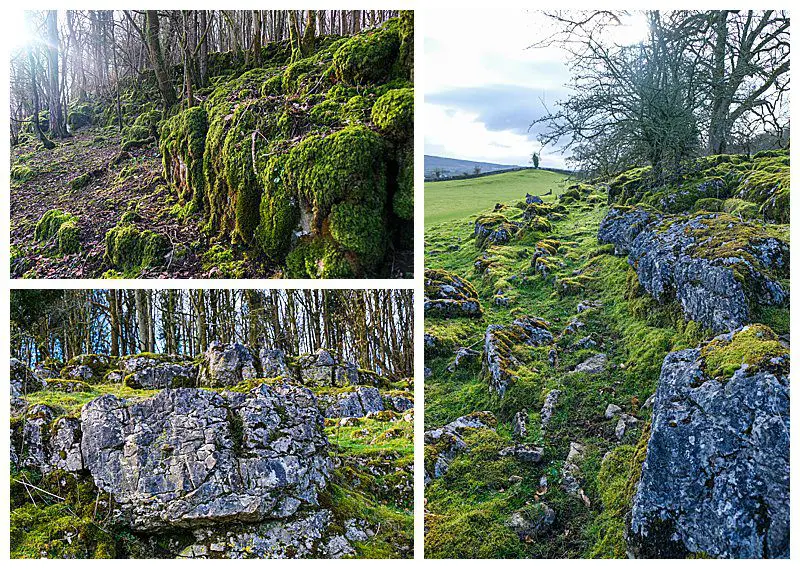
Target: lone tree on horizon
{"x": 535, "y": 160}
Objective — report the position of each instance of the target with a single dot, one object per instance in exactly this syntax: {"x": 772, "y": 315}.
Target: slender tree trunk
{"x": 152, "y": 32}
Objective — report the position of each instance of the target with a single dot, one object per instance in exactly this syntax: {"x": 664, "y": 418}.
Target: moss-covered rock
{"x": 285, "y": 156}
{"x": 755, "y": 346}
{"x": 393, "y": 113}
{"x": 318, "y": 258}
{"x": 368, "y": 57}
{"x": 61, "y": 227}
{"x": 132, "y": 250}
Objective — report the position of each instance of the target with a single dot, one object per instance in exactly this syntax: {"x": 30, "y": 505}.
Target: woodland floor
{"x": 134, "y": 184}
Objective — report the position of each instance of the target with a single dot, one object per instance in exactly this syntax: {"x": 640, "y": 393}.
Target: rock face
{"x": 308, "y": 535}
{"x": 593, "y": 365}
{"x": 716, "y": 266}
{"x": 65, "y": 445}
{"x": 35, "y": 451}
{"x": 151, "y": 372}
{"x": 322, "y": 369}
{"x": 273, "y": 363}
{"x": 190, "y": 457}
{"x": 716, "y": 476}
{"x": 23, "y": 380}
{"x": 90, "y": 368}
{"x": 358, "y": 403}
{"x": 449, "y": 296}
{"x": 226, "y": 364}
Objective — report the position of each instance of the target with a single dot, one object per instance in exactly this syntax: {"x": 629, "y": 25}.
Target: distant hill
{"x": 450, "y": 167}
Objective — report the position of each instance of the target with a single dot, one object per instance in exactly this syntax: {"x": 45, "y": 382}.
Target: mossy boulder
{"x": 292, "y": 156}
{"x": 393, "y": 113}
{"x": 318, "y": 258}
{"x": 449, "y": 295}
{"x": 132, "y": 250}
{"x": 62, "y": 228}
{"x": 368, "y": 57}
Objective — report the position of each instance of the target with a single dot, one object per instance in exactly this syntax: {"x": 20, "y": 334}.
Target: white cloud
{"x": 467, "y": 48}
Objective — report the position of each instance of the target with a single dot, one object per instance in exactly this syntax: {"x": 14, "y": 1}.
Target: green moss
{"x": 223, "y": 263}
{"x": 368, "y": 57}
{"x": 359, "y": 229}
{"x": 182, "y": 145}
{"x": 708, "y": 204}
{"x": 132, "y": 250}
{"x": 318, "y": 258}
{"x": 80, "y": 182}
{"x": 279, "y": 212}
{"x": 54, "y": 532}
{"x": 347, "y": 165}
{"x": 403, "y": 199}
{"x": 755, "y": 345}
{"x": 616, "y": 483}
{"x": 59, "y": 226}
{"x": 741, "y": 208}
{"x": 67, "y": 237}
{"x": 393, "y": 114}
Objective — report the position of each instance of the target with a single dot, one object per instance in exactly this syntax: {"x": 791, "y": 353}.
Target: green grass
{"x": 456, "y": 199}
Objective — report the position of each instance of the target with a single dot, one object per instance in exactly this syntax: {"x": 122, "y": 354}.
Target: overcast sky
{"x": 483, "y": 88}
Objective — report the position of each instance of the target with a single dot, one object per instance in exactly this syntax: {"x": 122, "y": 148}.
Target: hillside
{"x": 294, "y": 164}
{"x": 449, "y": 167}
{"x": 453, "y": 199}
{"x": 587, "y": 364}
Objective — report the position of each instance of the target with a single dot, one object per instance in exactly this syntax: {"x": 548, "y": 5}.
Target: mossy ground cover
{"x": 121, "y": 184}
{"x": 759, "y": 184}
{"x": 468, "y": 508}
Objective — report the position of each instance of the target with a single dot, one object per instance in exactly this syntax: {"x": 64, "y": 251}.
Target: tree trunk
{"x": 152, "y": 32}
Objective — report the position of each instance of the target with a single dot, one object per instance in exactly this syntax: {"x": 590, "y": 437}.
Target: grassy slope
{"x": 467, "y": 509}
{"x": 452, "y": 200}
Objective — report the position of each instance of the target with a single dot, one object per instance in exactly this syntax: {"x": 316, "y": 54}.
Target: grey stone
{"x": 520, "y": 425}
{"x": 65, "y": 445}
{"x": 625, "y": 421}
{"x": 318, "y": 369}
{"x": 150, "y": 372}
{"x": 524, "y": 453}
{"x": 226, "y": 365}
{"x": 306, "y": 535}
{"x": 463, "y": 357}
{"x": 716, "y": 476}
{"x": 549, "y": 406}
{"x": 612, "y": 410}
{"x": 532, "y": 521}
{"x": 670, "y": 264}
{"x": 35, "y": 451}
{"x": 593, "y": 365}
{"x": 450, "y": 442}
{"x": 23, "y": 380}
{"x": 358, "y": 403}
{"x": 273, "y": 363}
{"x": 571, "y": 472}
{"x": 449, "y": 296}
{"x": 398, "y": 403}
{"x": 191, "y": 457}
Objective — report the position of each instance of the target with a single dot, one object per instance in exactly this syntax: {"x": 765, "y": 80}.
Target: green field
{"x": 456, "y": 199}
